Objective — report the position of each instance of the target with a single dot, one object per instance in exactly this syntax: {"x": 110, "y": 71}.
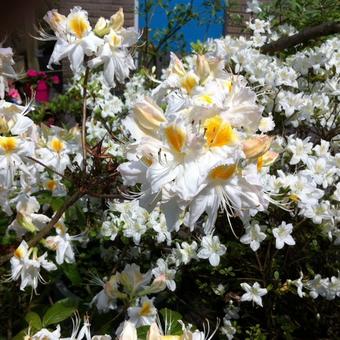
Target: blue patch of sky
{"x": 193, "y": 31}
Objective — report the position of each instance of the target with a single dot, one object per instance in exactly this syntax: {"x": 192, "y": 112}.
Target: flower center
{"x": 8, "y": 144}
{"x": 176, "y": 137}
{"x": 145, "y": 310}
{"x": 79, "y": 26}
{"x": 51, "y": 185}
{"x": 19, "y": 252}
{"x": 189, "y": 82}
{"x": 218, "y": 132}
{"x": 57, "y": 145}
{"x": 223, "y": 172}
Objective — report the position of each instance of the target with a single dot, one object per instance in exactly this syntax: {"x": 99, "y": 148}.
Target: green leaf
{"x": 60, "y": 311}
{"x": 142, "y": 332}
{"x": 21, "y": 335}
{"x": 33, "y": 320}
{"x": 171, "y": 318}
{"x": 72, "y": 273}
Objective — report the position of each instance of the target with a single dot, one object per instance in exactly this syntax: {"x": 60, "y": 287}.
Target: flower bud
{"x": 148, "y": 115}
{"x": 267, "y": 159}
{"x": 102, "y": 28}
{"x": 176, "y": 66}
{"x": 256, "y": 147}
{"x": 3, "y": 125}
{"x": 55, "y": 20}
{"x": 202, "y": 67}
{"x": 26, "y": 223}
{"x": 117, "y": 20}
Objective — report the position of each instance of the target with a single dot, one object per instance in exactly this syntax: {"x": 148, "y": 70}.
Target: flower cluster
{"x": 228, "y": 136}
{"x": 107, "y": 44}
{"x": 195, "y": 145}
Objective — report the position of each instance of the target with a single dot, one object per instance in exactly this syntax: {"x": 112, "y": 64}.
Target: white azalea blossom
{"x": 212, "y": 249}
{"x": 283, "y": 235}
{"x": 253, "y": 236}
{"x": 253, "y": 293}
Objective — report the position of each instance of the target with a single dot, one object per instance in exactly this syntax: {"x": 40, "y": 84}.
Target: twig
{"x": 47, "y": 167}
{"x": 83, "y": 126}
{"x": 45, "y": 231}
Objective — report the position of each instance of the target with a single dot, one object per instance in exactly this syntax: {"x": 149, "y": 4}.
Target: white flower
{"x": 62, "y": 244}
{"x": 253, "y": 293}
{"x": 75, "y": 38}
{"x": 283, "y": 235}
{"x": 6, "y": 68}
{"x": 300, "y": 149}
{"x": 12, "y": 157}
{"x": 106, "y": 299}
{"x": 231, "y": 311}
{"x": 227, "y": 329}
{"x": 27, "y": 267}
{"x": 299, "y": 285}
{"x": 266, "y": 124}
{"x": 253, "y": 236}
{"x": 163, "y": 273}
{"x": 45, "y": 334}
{"x": 187, "y": 251}
{"x": 27, "y": 218}
{"x": 143, "y": 315}
{"x": 253, "y": 6}
{"x": 318, "y": 286}
{"x": 212, "y": 249}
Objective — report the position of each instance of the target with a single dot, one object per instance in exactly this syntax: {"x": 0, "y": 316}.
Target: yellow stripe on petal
{"x": 223, "y": 172}
{"x": 51, "y": 184}
{"x": 207, "y": 99}
{"x": 78, "y": 25}
{"x": 57, "y": 145}
{"x": 146, "y": 309}
{"x": 8, "y": 144}
{"x": 218, "y": 132}
{"x": 189, "y": 82}
{"x": 176, "y": 137}
{"x": 20, "y": 252}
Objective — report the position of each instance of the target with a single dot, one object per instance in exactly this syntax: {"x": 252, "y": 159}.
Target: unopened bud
{"x": 256, "y": 147}
{"x": 102, "y": 28}
{"x": 202, "y": 67}
{"x": 148, "y": 115}
{"x": 117, "y": 20}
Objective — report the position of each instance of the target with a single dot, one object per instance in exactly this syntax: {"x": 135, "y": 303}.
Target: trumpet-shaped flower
{"x": 26, "y": 265}
{"x": 113, "y": 53}
{"x": 75, "y": 38}
{"x": 27, "y": 218}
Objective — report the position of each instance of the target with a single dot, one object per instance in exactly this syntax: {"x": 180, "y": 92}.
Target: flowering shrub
{"x": 207, "y": 197}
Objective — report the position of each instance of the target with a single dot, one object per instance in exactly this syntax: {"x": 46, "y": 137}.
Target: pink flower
{"x": 32, "y": 73}
{"x": 55, "y": 79}
{"x": 42, "y": 74}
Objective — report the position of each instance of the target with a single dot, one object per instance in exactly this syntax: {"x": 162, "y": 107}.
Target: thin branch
{"x": 83, "y": 126}
{"x": 46, "y": 230}
{"x": 47, "y": 167}
{"x": 304, "y": 36}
